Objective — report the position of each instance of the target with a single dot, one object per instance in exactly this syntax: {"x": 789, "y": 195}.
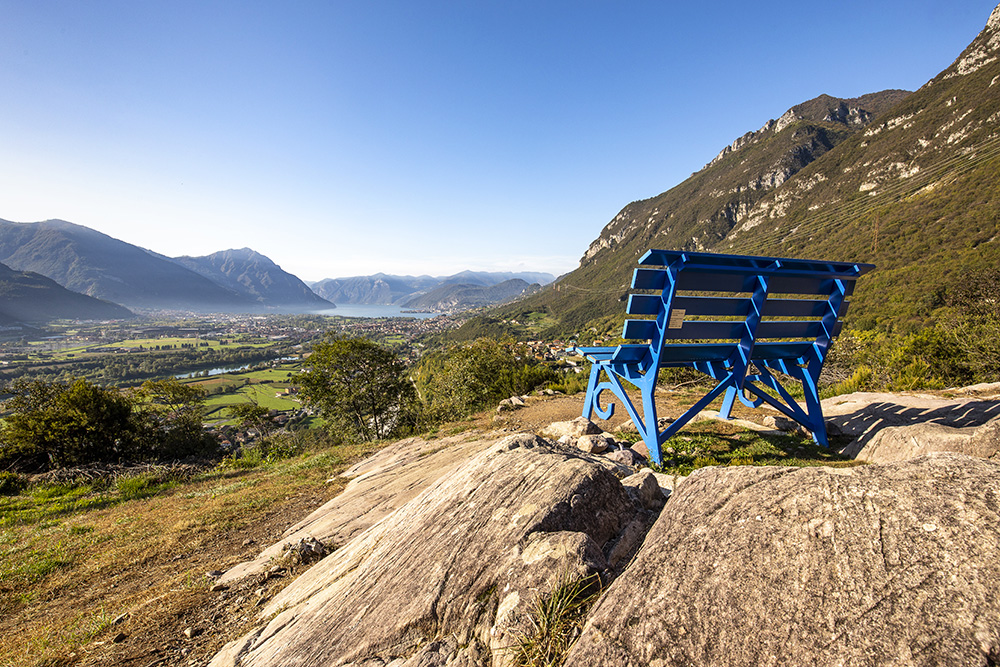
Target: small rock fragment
{"x": 594, "y": 444}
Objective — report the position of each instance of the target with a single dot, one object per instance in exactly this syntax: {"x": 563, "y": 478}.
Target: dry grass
{"x": 74, "y": 558}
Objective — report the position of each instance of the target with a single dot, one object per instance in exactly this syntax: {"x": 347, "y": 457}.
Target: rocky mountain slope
{"x": 906, "y": 182}
{"x": 31, "y": 297}
{"x": 87, "y": 261}
{"x": 256, "y": 277}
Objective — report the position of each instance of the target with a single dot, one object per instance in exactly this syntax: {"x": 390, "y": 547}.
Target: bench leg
{"x": 652, "y": 438}
{"x": 816, "y": 422}
{"x": 727, "y": 403}
{"x": 592, "y": 402}
{"x": 591, "y": 398}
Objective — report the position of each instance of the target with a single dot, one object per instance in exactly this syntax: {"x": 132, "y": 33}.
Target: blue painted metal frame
{"x": 730, "y": 364}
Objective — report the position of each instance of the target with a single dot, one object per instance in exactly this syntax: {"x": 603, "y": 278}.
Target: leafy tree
{"x": 59, "y": 424}
{"x": 358, "y": 386}
{"x": 173, "y": 413}
{"x": 251, "y": 415}
{"x": 53, "y": 425}
{"x": 477, "y": 374}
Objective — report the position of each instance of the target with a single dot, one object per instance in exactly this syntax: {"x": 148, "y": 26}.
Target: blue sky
{"x": 348, "y": 138}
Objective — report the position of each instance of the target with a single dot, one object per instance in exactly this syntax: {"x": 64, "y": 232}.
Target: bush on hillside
{"x": 960, "y": 347}
{"x": 55, "y": 425}
{"x": 476, "y": 375}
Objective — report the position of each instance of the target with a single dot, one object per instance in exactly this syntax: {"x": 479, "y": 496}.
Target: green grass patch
{"x": 555, "y": 621}
{"x": 146, "y": 485}
{"x": 715, "y": 444}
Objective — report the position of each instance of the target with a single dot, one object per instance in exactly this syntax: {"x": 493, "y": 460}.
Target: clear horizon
{"x": 354, "y": 138}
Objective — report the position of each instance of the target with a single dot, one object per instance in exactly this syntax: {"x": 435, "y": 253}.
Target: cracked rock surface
{"x": 455, "y": 569}
{"x": 890, "y": 564}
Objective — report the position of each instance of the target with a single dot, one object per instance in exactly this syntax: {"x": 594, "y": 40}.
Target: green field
{"x": 260, "y": 386}
{"x": 145, "y": 344}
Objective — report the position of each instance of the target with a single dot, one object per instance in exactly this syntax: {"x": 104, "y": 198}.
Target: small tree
{"x": 253, "y": 416}
{"x": 56, "y": 424}
{"x": 173, "y": 414}
{"x": 475, "y": 375}
{"x": 358, "y": 386}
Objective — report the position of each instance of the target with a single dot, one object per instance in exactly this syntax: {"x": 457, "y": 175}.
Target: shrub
{"x": 476, "y": 375}
{"x": 11, "y": 483}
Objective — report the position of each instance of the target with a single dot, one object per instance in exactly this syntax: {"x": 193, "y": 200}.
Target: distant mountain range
{"x": 256, "y": 277}
{"x": 458, "y": 296}
{"x": 906, "y": 181}
{"x": 468, "y": 289}
{"x": 103, "y": 271}
{"x": 86, "y": 261}
{"x": 30, "y": 297}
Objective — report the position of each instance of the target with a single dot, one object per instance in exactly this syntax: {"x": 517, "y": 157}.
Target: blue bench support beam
{"x": 782, "y": 321}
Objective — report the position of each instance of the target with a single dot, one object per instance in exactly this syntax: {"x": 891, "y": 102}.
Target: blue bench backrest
{"x": 811, "y": 299}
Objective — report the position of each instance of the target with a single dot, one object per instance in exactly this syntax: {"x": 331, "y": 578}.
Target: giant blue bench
{"x": 747, "y": 322}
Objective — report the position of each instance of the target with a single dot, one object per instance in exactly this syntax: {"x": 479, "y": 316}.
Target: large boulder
{"x": 379, "y": 486}
{"x": 896, "y": 427}
{"x": 575, "y": 428}
{"x": 450, "y": 576}
{"x": 874, "y": 565}
{"x": 898, "y": 443}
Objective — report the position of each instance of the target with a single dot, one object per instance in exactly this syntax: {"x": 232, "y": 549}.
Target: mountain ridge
{"x": 27, "y": 297}
{"x": 386, "y": 289}
{"x": 84, "y": 260}
{"x": 911, "y": 189}
{"x": 256, "y": 277}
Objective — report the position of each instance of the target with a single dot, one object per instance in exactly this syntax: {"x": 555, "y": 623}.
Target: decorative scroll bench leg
{"x": 592, "y": 403}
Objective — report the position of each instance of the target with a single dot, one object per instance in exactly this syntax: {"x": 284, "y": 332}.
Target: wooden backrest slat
{"x": 649, "y": 279}
{"x": 793, "y": 329}
{"x": 639, "y": 330}
{"x": 707, "y": 330}
{"x": 735, "y": 330}
{"x": 712, "y": 306}
{"x": 753, "y": 264}
{"x": 644, "y": 304}
{"x": 800, "y": 308}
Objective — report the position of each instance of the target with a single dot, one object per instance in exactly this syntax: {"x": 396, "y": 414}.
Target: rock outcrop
{"x": 893, "y": 564}
{"x": 896, "y": 427}
{"x": 898, "y": 443}
{"x": 450, "y": 575}
{"x": 379, "y": 486}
